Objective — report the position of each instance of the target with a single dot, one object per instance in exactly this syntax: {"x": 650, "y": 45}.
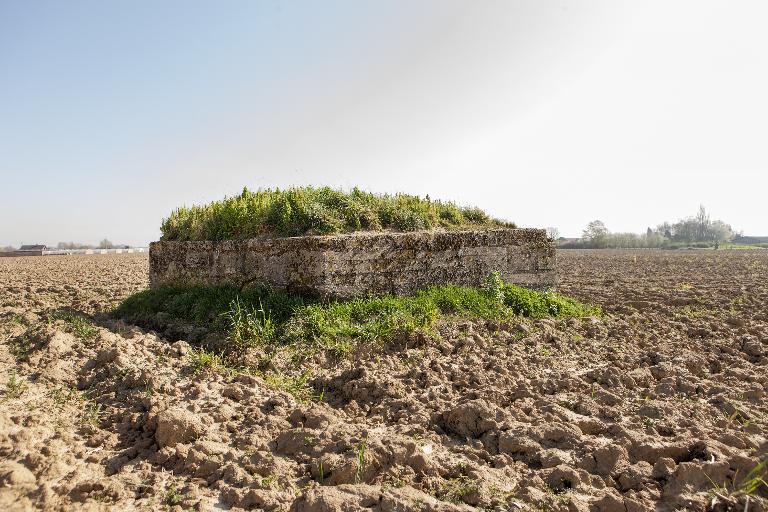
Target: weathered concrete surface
{"x": 360, "y": 264}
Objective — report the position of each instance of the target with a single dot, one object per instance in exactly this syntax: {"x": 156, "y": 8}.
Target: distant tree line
{"x": 698, "y": 228}
{"x": 72, "y": 245}
{"x": 696, "y": 231}
{"x": 104, "y": 244}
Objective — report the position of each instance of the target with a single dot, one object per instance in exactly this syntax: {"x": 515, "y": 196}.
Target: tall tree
{"x": 701, "y": 224}
{"x": 595, "y": 230}
{"x": 553, "y": 232}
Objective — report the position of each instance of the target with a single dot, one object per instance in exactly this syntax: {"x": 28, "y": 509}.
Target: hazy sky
{"x": 546, "y": 113}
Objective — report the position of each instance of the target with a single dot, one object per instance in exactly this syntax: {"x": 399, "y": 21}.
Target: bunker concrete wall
{"x": 360, "y": 264}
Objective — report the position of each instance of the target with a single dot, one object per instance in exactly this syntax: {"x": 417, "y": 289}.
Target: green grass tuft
{"x": 76, "y": 324}
{"x": 249, "y": 327}
{"x": 298, "y": 385}
{"x": 309, "y": 210}
{"x": 211, "y": 306}
{"x": 201, "y": 360}
{"x": 454, "y": 490}
{"x": 528, "y": 303}
{"x": 15, "y": 387}
{"x": 173, "y": 497}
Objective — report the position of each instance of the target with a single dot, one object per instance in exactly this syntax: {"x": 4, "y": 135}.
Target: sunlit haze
{"x": 541, "y": 112}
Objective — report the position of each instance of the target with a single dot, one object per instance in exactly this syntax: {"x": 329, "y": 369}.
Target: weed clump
{"x": 80, "y": 327}
{"x": 202, "y": 360}
{"x": 15, "y": 387}
{"x": 454, "y": 490}
{"x": 173, "y": 497}
{"x": 317, "y": 211}
{"x": 249, "y": 327}
{"x": 755, "y": 482}
{"x": 528, "y": 303}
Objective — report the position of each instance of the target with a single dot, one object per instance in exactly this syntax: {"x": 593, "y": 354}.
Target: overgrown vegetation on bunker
{"x": 260, "y": 318}
{"x": 313, "y": 211}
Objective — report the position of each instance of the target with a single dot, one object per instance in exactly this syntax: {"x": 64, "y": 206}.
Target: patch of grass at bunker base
{"x": 260, "y": 317}
{"x": 317, "y": 211}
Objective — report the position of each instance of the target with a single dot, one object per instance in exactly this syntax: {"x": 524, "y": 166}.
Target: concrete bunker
{"x": 360, "y": 264}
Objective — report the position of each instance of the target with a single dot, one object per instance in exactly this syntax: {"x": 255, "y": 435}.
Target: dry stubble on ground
{"x": 660, "y": 404}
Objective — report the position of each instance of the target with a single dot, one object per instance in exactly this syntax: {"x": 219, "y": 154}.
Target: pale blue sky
{"x": 112, "y": 113}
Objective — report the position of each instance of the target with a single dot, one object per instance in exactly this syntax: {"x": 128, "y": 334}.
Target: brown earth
{"x": 660, "y": 404}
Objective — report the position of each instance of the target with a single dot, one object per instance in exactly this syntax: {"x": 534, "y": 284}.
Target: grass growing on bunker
{"x": 273, "y": 321}
{"x": 313, "y": 211}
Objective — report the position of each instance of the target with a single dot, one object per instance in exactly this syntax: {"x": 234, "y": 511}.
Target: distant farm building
{"x": 31, "y": 250}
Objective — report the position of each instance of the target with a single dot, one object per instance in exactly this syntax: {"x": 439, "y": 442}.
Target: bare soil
{"x": 658, "y": 405}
